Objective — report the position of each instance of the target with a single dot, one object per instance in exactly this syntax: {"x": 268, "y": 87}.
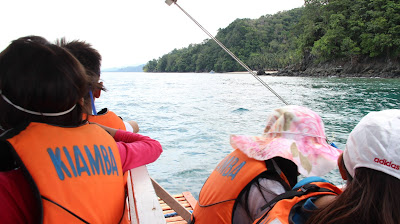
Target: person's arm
{"x": 17, "y": 199}
{"x": 249, "y": 205}
{"x": 110, "y": 131}
{"x": 324, "y": 201}
{"x": 131, "y": 126}
{"x": 136, "y": 150}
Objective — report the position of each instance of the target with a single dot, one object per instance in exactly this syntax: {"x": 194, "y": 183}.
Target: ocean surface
{"x": 193, "y": 114}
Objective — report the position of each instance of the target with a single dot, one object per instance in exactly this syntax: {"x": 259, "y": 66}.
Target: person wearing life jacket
{"x": 296, "y": 205}
{"x": 262, "y": 167}
{"x": 65, "y": 169}
{"x": 371, "y": 165}
{"x": 90, "y": 58}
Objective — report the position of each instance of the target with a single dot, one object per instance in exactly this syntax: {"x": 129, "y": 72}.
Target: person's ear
{"x": 81, "y": 101}
{"x": 342, "y": 168}
{"x": 97, "y": 93}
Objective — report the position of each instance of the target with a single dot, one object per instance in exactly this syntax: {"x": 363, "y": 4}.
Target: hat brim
{"x": 312, "y": 155}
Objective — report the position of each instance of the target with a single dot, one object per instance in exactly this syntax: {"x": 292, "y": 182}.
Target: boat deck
{"x": 186, "y": 199}
{"x": 148, "y": 202}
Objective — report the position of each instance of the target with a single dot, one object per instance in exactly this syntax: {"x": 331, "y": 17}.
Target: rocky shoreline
{"x": 340, "y": 68}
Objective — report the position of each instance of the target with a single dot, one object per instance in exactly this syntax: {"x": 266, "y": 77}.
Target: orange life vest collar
{"x": 77, "y": 171}
{"x": 282, "y": 211}
{"x": 107, "y": 118}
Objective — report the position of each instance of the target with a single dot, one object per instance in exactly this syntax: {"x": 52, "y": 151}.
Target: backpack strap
{"x": 305, "y": 189}
{"x": 273, "y": 168}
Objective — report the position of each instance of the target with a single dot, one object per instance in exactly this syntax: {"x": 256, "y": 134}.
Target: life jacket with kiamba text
{"x": 219, "y": 194}
{"x": 290, "y": 203}
{"x": 76, "y": 170}
{"x": 107, "y": 118}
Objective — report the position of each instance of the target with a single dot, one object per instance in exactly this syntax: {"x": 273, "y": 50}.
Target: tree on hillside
{"x": 351, "y": 28}
{"x": 321, "y": 31}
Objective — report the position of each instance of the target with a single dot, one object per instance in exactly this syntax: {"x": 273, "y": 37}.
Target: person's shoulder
{"x": 311, "y": 179}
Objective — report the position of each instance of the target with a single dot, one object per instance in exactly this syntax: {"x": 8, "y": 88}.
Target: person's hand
{"x": 134, "y": 125}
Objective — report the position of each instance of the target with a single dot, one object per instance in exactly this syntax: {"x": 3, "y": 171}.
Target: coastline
{"x": 246, "y": 72}
{"x": 323, "y": 74}
{"x": 326, "y": 73}
{"x": 368, "y": 68}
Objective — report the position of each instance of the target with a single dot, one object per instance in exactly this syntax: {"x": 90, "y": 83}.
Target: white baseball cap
{"x": 375, "y": 143}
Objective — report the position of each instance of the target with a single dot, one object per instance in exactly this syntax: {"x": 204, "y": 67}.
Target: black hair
{"x": 42, "y": 77}
{"x": 90, "y": 58}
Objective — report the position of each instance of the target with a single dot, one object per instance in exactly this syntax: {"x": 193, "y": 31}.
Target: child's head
{"x": 371, "y": 164}
{"x": 90, "y": 58}
{"x": 295, "y": 133}
{"x": 375, "y": 144}
{"x": 40, "y": 82}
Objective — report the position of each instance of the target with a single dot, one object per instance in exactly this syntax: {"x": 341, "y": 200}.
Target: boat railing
{"x": 144, "y": 196}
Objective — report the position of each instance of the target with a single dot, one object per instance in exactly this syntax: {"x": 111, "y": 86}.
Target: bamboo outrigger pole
{"x": 170, "y": 2}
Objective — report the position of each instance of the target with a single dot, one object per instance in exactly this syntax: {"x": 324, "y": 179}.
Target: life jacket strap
{"x": 274, "y": 169}
{"x": 305, "y": 189}
{"x": 70, "y": 212}
{"x": 216, "y": 203}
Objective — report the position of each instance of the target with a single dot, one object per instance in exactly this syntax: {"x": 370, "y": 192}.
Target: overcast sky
{"x": 128, "y": 32}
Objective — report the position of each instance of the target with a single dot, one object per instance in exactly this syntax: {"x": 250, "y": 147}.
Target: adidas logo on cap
{"x": 387, "y": 163}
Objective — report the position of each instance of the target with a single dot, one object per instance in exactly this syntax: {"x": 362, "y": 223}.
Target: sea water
{"x": 193, "y": 114}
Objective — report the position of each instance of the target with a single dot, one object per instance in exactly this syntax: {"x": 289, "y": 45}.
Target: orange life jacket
{"x": 107, "y": 118}
{"x": 77, "y": 172}
{"x": 219, "y": 193}
{"x": 289, "y": 202}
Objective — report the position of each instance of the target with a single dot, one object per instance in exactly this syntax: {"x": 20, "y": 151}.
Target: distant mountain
{"x": 138, "y": 68}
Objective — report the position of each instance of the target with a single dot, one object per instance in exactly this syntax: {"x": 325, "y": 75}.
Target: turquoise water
{"x": 192, "y": 115}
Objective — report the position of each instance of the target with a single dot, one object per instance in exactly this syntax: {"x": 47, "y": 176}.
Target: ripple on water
{"x": 240, "y": 110}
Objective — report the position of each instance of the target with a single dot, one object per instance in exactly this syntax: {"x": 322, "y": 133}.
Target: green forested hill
{"x": 322, "y": 30}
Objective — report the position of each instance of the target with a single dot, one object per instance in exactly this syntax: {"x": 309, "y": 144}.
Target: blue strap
{"x": 93, "y": 106}
{"x": 308, "y": 180}
{"x": 173, "y": 214}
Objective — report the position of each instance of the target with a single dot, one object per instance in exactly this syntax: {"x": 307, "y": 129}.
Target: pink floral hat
{"x": 294, "y": 133}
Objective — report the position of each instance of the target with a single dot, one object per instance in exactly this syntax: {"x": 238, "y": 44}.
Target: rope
{"x": 231, "y": 54}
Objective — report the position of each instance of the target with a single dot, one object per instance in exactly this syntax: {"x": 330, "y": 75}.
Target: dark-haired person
{"x": 371, "y": 165}
{"x": 262, "y": 167}
{"x": 67, "y": 170}
{"x": 90, "y": 58}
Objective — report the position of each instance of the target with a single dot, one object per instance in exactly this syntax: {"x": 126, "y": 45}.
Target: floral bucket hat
{"x": 295, "y": 133}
